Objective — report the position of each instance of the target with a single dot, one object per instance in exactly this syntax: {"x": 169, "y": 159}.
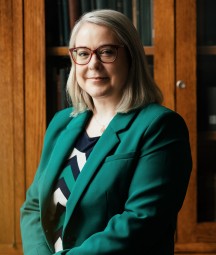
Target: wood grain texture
{"x": 200, "y": 248}
{"x": 6, "y": 134}
{"x": 12, "y": 124}
{"x": 186, "y": 106}
{"x": 35, "y": 86}
{"x": 18, "y": 116}
{"x": 164, "y": 51}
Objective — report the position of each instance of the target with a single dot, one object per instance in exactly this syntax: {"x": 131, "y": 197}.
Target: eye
{"x": 107, "y": 51}
{"x": 82, "y": 53}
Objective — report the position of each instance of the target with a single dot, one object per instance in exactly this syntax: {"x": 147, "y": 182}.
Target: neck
{"x": 102, "y": 118}
{"x": 104, "y": 110}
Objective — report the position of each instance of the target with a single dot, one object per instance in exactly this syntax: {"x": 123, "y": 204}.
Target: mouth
{"x": 98, "y": 78}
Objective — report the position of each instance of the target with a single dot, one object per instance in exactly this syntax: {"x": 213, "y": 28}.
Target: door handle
{"x": 180, "y": 84}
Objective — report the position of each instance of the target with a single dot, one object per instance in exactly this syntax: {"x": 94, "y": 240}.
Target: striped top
{"x": 64, "y": 185}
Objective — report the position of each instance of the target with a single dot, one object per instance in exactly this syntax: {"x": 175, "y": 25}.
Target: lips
{"x": 98, "y": 78}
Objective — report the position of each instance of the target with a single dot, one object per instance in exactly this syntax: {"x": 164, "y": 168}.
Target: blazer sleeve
{"x": 156, "y": 192}
{"x": 34, "y": 241}
{"x": 33, "y": 238}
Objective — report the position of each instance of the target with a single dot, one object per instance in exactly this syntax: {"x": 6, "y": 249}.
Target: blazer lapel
{"x": 60, "y": 152}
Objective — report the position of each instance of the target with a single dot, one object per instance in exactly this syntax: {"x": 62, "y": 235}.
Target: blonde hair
{"x": 140, "y": 88}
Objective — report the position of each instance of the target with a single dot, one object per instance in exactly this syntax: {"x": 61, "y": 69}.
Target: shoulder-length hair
{"x": 140, "y": 88}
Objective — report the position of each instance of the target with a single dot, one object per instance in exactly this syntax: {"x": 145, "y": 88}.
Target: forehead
{"x": 92, "y": 34}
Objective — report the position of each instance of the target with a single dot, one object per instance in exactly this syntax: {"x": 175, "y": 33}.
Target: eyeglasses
{"x": 105, "y": 53}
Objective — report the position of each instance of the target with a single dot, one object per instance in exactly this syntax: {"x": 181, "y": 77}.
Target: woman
{"x": 114, "y": 168}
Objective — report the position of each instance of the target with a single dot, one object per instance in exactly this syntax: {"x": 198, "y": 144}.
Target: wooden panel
{"x": 6, "y": 134}
{"x": 35, "y": 123}
{"x": 12, "y": 125}
{"x": 10, "y": 250}
{"x": 206, "y": 232}
{"x": 201, "y": 248}
{"x": 18, "y": 117}
{"x": 186, "y": 105}
{"x": 164, "y": 51}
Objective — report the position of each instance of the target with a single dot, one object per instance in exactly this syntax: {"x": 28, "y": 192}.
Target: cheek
{"x": 79, "y": 72}
{"x": 121, "y": 73}
{"x": 122, "y": 67}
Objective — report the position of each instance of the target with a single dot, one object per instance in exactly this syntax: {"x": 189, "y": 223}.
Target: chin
{"x": 98, "y": 93}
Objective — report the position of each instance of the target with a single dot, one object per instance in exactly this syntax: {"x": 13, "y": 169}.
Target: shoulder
{"x": 64, "y": 120}
{"x": 163, "y": 119}
{"x": 62, "y": 117}
{"x": 154, "y": 112}
{"x": 158, "y": 117}
{"x": 57, "y": 124}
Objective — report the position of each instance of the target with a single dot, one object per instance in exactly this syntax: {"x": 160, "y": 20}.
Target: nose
{"x": 94, "y": 61}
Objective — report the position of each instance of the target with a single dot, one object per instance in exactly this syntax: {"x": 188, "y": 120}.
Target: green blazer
{"x": 127, "y": 197}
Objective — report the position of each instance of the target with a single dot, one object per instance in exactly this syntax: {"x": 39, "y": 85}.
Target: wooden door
{"x": 193, "y": 235}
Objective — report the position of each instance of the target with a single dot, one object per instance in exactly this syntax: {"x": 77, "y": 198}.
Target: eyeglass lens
{"x": 105, "y": 54}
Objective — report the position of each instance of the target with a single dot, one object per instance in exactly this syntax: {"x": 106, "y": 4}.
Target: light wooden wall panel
{"x": 164, "y": 50}
{"x": 12, "y": 167}
{"x": 35, "y": 86}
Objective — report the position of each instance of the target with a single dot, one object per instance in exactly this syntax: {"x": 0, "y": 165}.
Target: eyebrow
{"x": 106, "y": 44}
